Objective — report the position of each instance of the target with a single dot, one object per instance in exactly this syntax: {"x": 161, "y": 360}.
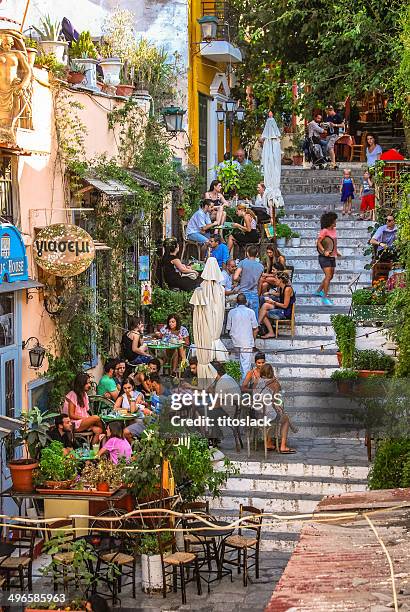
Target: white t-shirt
{"x": 241, "y": 323}
{"x": 134, "y": 395}
{"x": 198, "y": 221}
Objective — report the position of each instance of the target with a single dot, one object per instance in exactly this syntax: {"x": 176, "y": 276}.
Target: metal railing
{"x": 227, "y": 26}
{"x": 6, "y": 189}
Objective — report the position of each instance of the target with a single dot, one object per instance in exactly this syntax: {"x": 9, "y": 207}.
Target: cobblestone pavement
{"x": 224, "y": 596}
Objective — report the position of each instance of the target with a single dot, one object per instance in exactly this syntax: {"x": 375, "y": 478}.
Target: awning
{"x": 19, "y": 285}
{"x": 116, "y": 189}
{"x": 8, "y": 425}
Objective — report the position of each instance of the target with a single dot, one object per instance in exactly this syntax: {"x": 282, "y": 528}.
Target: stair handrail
{"x": 354, "y": 282}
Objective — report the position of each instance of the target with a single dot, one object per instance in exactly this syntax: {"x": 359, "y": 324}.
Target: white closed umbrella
{"x": 208, "y": 317}
{"x": 271, "y": 162}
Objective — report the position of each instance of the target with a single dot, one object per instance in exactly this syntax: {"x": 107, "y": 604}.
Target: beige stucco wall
{"x": 42, "y": 194}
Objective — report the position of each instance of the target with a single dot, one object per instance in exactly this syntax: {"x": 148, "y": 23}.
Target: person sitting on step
{"x": 280, "y": 308}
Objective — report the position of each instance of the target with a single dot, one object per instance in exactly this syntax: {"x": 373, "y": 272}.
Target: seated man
{"x": 107, "y": 387}
{"x": 190, "y": 376}
{"x": 63, "y": 432}
{"x": 384, "y": 239}
{"x": 200, "y": 223}
{"x": 219, "y": 250}
{"x": 231, "y": 291}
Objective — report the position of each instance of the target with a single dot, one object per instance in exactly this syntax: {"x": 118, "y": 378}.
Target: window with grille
{"x": 6, "y": 188}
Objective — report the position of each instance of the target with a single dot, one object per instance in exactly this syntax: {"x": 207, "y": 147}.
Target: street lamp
{"x": 36, "y": 353}
{"x": 173, "y": 117}
{"x": 209, "y": 26}
{"x": 233, "y": 114}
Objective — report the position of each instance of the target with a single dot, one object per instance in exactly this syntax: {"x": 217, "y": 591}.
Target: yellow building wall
{"x": 201, "y": 73}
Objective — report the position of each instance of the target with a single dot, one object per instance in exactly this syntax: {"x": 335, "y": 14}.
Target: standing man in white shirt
{"x": 242, "y": 326}
{"x": 200, "y": 223}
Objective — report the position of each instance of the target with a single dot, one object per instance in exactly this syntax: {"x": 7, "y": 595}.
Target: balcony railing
{"x": 227, "y": 26}
{"x": 6, "y": 189}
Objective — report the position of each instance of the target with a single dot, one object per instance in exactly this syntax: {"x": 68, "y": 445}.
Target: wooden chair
{"x": 172, "y": 561}
{"x": 125, "y": 567}
{"x": 22, "y": 564}
{"x": 63, "y": 559}
{"x": 186, "y": 242}
{"x": 289, "y": 322}
{"x": 246, "y": 547}
{"x": 358, "y": 150}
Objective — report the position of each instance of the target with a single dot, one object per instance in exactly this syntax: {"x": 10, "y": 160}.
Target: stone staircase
{"x": 330, "y": 456}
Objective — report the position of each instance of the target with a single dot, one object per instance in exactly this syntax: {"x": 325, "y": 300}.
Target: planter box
{"x": 369, "y": 313}
{"x": 151, "y": 574}
{"x": 368, "y": 373}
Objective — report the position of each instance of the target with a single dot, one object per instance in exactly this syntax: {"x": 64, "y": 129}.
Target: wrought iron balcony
{"x": 227, "y": 26}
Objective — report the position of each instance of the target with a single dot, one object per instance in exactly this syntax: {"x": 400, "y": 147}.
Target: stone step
{"x": 272, "y": 502}
{"x": 293, "y": 356}
{"x": 336, "y": 288}
{"x": 355, "y": 235}
{"x": 316, "y": 485}
{"x": 358, "y": 242}
{"x": 315, "y": 330}
{"x": 347, "y": 251}
{"x": 343, "y": 276}
{"x": 323, "y": 318}
{"x": 297, "y": 342}
{"x": 302, "y": 370}
{"x": 342, "y": 224}
{"x": 324, "y": 430}
{"x": 308, "y": 299}
{"x": 310, "y": 262}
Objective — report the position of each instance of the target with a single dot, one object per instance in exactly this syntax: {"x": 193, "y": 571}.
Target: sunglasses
{"x": 389, "y": 219}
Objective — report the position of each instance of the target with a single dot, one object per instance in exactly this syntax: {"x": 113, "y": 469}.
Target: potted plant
{"x": 151, "y": 568}
{"x": 345, "y": 331}
{"x": 283, "y": 233}
{"x": 126, "y": 86}
{"x": 295, "y": 239}
{"x": 76, "y": 73}
{"x": 33, "y": 436}
{"x": 249, "y": 177}
{"x": 345, "y": 379}
{"x": 371, "y": 362}
{"x": 85, "y": 54}
{"x": 77, "y": 604}
{"x": 31, "y": 48}
{"x": 111, "y": 67}
{"x": 369, "y": 304}
{"x": 50, "y": 32}
{"x": 56, "y": 470}
{"x": 102, "y": 475}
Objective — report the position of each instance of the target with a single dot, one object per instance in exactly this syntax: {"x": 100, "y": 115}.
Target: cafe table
{"x": 228, "y": 225}
{"x": 118, "y": 416}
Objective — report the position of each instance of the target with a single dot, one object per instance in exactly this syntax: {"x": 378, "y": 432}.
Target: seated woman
{"x": 273, "y": 262}
{"x": 76, "y": 405}
{"x": 246, "y": 233}
{"x": 268, "y": 389}
{"x": 173, "y": 269}
{"x": 129, "y": 398}
{"x": 115, "y": 445}
{"x": 119, "y": 374}
{"x": 280, "y": 308}
{"x": 173, "y": 330}
{"x": 216, "y": 196}
{"x": 133, "y": 348}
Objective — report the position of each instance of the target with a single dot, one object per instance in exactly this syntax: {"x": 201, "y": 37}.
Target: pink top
{"x": 332, "y": 234}
{"x": 79, "y": 410}
{"x": 118, "y": 447}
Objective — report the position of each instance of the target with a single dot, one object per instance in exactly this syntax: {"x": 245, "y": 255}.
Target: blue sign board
{"x": 143, "y": 268}
{"x": 13, "y": 258}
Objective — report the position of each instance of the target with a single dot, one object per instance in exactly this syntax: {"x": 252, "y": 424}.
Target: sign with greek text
{"x": 13, "y": 259}
{"x": 63, "y": 250}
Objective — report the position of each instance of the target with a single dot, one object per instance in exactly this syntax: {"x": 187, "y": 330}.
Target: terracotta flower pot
{"x": 345, "y": 386}
{"x": 31, "y": 55}
{"x": 339, "y": 358}
{"x": 297, "y": 160}
{"x": 103, "y": 487}
{"x": 75, "y": 77}
{"x": 21, "y": 471}
{"x": 367, "y": 373}
{"x": 124, "y": 90}
{"x": 57, "y": 484}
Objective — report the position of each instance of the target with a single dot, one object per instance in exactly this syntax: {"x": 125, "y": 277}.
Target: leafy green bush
{"x": 283, "y": 231}
{"x": 83, "y": 47}
{"x": 228, "y": 174}
{"x": 371, "y": 359}
{"x": 233, "y": 368}
{"x": 148, "y": 544}
{"x": 362, "y": 297}
{"x": 166, "y": 302}
{"x": 391, "y": 467}
{"x": 344, "y": 374}
{"x": 193, "y": 465}
{"x": 249, "y": 177}
{"x": 345, "y": 330}
{"x": 55, "y": 465}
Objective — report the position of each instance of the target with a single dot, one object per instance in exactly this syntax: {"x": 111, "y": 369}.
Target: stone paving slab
{"x": 225, "y": 596}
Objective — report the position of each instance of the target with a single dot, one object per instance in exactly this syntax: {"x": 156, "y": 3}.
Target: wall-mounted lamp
{"x": 173, "y": 117}
{"x": 36, "y": 353}
{"x": 209, "y": 26}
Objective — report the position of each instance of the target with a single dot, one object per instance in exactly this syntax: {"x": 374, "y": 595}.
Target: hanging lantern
{"x": 173, "y": 117}
{"x": 231, "y": 106}
{"x": 240, "y": 113}
{"x": 220, "y": 114}
{"x": 209, "y": 26}
{"x": 35, "y": 354}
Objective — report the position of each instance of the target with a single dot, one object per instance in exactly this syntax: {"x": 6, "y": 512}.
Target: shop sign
{"x": 13, "y": 259}
{"x": 63, "y": 250}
